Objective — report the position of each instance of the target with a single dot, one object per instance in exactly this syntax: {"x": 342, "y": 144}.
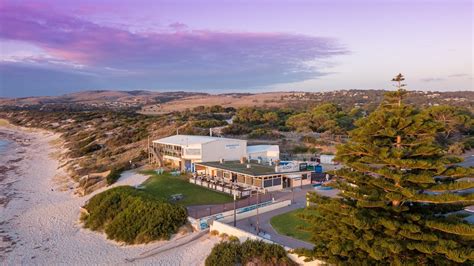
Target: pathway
{"x": 249, "y": 225}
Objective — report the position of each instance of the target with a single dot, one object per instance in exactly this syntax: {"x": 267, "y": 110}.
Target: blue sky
{"x": 55, "y": 47}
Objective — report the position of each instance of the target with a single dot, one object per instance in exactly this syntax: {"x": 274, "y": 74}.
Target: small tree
{"x": 400, "y": 194}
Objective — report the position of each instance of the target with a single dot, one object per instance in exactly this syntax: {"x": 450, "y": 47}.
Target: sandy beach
{"x": 40, "y": 214}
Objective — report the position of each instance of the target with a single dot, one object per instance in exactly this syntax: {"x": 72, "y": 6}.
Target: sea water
{"x": 3, "y": 145}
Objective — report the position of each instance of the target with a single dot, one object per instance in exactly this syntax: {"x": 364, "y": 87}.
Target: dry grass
{"x": 263, "y": 99}
{"x": 4, "y": 123}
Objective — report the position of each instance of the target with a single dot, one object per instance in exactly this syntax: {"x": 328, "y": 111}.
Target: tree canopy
{"x": 402, "y": 197}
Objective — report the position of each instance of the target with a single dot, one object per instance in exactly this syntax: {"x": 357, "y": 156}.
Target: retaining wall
{"x": 242, "y": 213}
{"x": 244, "y": 235}
{"x": 252, "y": 211}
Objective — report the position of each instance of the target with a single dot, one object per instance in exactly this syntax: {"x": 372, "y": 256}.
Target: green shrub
{"x": 232, "y": 252}
{"x": 236, "y": 129}
{"x": 128, "y": 215}
{"x": 209, "y": 123}
{"x": 261, "y": 133}
{"x": 114, "y": 175}
{"x": 469, "y": 143}
{"x": 300, "y": 149}
{"x": 224, "y": 253}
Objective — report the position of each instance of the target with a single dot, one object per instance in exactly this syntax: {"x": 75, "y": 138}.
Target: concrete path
{"x": 298, "y": 196}
{"x": 249, "y": 225}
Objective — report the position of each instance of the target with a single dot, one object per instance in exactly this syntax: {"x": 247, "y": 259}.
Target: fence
{"x": 197, "y": 212}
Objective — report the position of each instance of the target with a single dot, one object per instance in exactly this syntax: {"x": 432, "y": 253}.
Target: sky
{"x": 55, "y": 47}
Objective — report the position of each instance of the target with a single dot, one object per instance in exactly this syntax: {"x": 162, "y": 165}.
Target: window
{"x": 192, "y": 151}
{"x": 240, "y": 178}
{"x": 257, "y": 182}
{"x": 267, "y": 183}
{"x": 277, "y": 181}
{"x": 248, "y": 180}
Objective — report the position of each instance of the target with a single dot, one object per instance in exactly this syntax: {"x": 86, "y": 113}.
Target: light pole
{"x": 292, "y": 195}
{"x": 235, "y": 211}
{"x": 258, "y": 220}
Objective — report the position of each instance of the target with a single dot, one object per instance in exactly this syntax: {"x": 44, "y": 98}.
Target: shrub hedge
{"x": 128, "y": 215}
{"x": 252, "y": 252}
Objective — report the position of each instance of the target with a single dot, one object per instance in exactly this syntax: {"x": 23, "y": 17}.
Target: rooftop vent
{"x": 248, "y": 165}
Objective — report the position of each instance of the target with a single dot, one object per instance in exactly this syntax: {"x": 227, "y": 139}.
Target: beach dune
{"x": 40, "y": 220}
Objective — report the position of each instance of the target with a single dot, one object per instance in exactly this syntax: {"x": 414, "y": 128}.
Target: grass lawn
{"x": 287, "y": 224}
{"x": 164, "y": 185}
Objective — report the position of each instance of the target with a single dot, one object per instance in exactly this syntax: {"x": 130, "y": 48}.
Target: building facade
{"x": 244, "y": 175}
{"x": 183, "y": 151}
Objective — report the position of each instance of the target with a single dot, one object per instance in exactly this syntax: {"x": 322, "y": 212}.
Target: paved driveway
{"x": 299, "y": 196}
{"x": 249, "y": 225}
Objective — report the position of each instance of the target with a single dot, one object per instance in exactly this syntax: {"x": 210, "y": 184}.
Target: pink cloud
{"x": 199, "y": 54}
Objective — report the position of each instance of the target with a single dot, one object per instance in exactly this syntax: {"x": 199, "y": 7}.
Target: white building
{"x": 263, "y": 152}
{"x": 327, "y": 159}
{"x": 182, "y": 151}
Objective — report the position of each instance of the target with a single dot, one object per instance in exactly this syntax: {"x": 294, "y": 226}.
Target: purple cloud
{"x": 432, "y": 79}
{"x": 177, "y": 26}
{"x": 177, "y": 59}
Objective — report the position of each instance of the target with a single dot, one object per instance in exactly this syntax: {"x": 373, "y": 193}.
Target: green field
{"x": 288, "y": 223}
{"x": 164, "y": 185}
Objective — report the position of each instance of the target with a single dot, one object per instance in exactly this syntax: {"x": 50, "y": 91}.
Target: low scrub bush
{"x": 252, "y": 252}
{"x": 128, "y": 215}
{"x": 300, "y": 149}
{"x": 114, "y": 175}
{"x": 261, "y": 133}
{"x": 236, "y": 129}
{"x": 209, "y": 123}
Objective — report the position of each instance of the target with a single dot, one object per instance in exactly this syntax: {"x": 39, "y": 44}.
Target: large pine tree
{"x": 401, "y": 195}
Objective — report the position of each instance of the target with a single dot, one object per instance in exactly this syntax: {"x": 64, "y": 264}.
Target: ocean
{"x": 3, "y": 145}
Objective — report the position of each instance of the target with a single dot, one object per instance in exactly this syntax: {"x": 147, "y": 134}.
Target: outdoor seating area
{"x": 176, "y": 197}
{"x": 221, "y": 186}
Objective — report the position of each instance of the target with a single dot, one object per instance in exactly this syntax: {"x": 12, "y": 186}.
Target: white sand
{"x": 44, "y": 226}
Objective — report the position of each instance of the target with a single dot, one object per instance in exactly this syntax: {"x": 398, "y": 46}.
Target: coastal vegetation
{"x": 147, "y": 213}
{"x": 128, "y": 215}
{"x": 402, "y": 193}
{"x": 99, "y": 139}
{"x": 250, "y": 252}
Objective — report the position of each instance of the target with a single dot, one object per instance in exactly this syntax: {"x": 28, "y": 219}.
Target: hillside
{"x": 151, "y": 102}
{"x": 99, "y": 98}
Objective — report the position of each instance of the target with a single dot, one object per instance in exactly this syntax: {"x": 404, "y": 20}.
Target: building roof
{"x": 254, "y": 170}
{"x": 236, "y": 166}
{"x": 262, "y": 148}
{"x": 185, "y": 140}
